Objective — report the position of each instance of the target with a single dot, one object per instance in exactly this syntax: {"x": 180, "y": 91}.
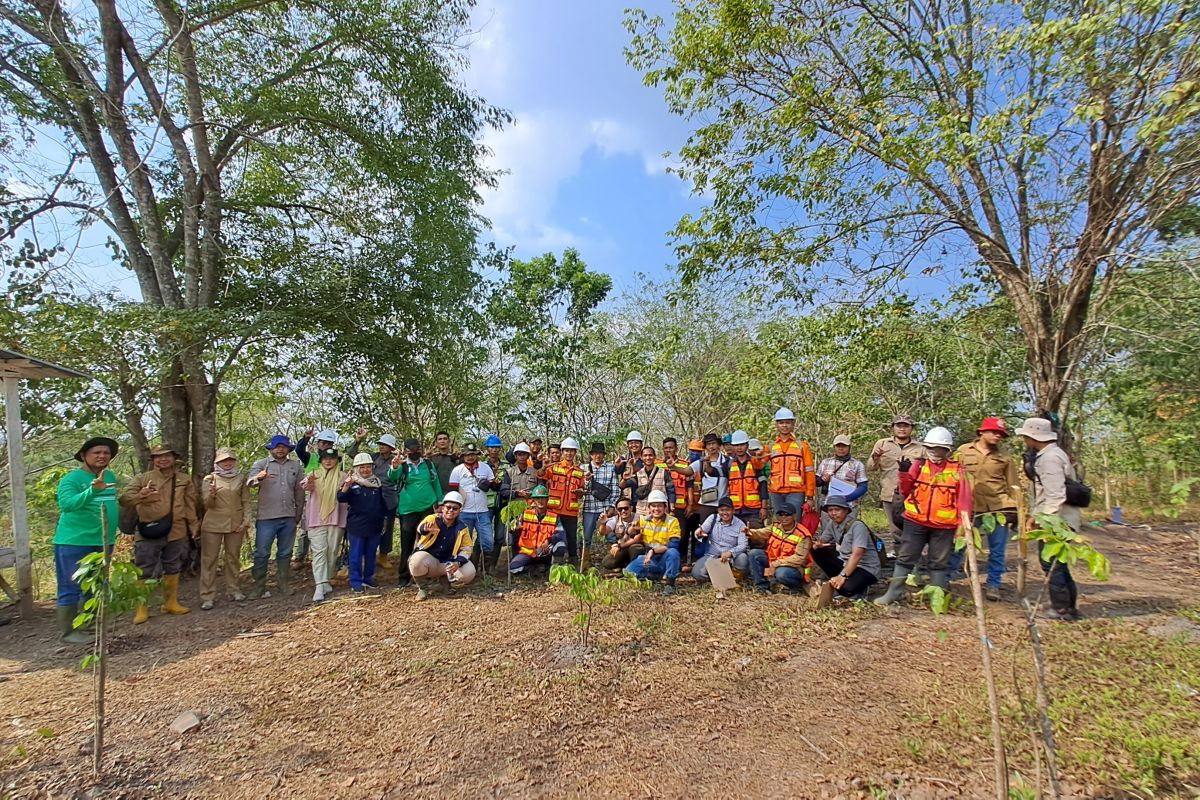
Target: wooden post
{"x": 16, "y": 481}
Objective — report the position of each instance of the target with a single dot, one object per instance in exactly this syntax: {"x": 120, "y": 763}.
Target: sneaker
{"x": 720, "y": 595}
{"x": 1062, "y": 615}
{"x": 206, "y": 605}
{"x": 403, "y": 583}
{"x": 762, "y": 589}
{"x": 319, "y": 595}
{"x": 992, "y": 593}
{"x": 421, "y": 594}
{"x": 668, "y": 590}
{"x": 369, "y": 588}
{"x": 238, "y": 597}
{"x": 357, "y": 590}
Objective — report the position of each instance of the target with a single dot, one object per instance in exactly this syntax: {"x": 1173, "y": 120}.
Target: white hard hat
{"x": 755, "y": 444}
{"x": 657, "y": 497}
{"x": 635, "y": 436}
{"x": 387, "y": 439}
{"x": 784, "y": 414}
{"x": 938, "y": 437}
{"x": 522, "y": 448}
{"x": 569, "y": 443}
{"x": 453, "y": 497}
{"x": 363, "y": 458}
{"x": 739, "y": 437}
{"x": 327, "y": 436}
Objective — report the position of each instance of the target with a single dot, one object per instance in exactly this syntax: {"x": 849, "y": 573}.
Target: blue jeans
{"x": 281, "y": 531}
{"x": 590, "y": 518}
{"x": 480, "y": 523}
{"x": 66, "y": 561}
{"x": 661, "y": 565}
{"x": 997, "y": 544}
{"x": 793, "y": 500}
{"x": 362, "y": 559}
{"x": 790, "y": 577}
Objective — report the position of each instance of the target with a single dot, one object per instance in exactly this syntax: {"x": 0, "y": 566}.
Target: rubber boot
{"x": 940, "y": 578}
{"x": 669, "y": 589}
{"x": 260, "y": 584}
{"x": 897, "y": 589}
{"x": 171, "y": 596}
{"x": 283, "y": 574}
{"x": 66, "y": 625}
{"x": 141, "y": 611}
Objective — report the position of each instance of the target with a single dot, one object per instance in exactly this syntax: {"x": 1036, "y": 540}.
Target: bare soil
{"x": 489, "y": 694}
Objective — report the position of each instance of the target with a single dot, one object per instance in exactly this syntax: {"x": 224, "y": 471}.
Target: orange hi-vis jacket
{"x": 562, "y": 479}
{"x": 536, "y": 532}
{"x": 792, "y": 467}
{"x": 939, "y": 494}
{"x": 681, "y": 481}
{"x": 743, "y": 485}
{"x": 783, "y": 545}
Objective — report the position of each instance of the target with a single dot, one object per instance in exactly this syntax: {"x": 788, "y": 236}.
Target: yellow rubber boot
{"x": 141, "y": 613}
{"x": 171, "y": 596}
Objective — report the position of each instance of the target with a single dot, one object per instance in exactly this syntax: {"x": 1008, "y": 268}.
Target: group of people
{"x": 768, "y": 511}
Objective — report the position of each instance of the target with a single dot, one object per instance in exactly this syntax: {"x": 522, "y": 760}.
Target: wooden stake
{"x": 1000, "y": 763}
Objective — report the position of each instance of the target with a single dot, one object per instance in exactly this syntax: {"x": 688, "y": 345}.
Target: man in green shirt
{"x": 419, "y": 489}
{"x": 82, "y": 494}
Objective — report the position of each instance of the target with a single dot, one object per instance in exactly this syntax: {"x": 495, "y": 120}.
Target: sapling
{"x": 590, "y": 589}
{"x": 111, "y": 587}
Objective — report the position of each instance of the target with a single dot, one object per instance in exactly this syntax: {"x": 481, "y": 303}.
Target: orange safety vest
{"x": 933, "y": 499}
{"x": 536, "y": 532}
{"x": 562, "y": 479}
{"x": 743, "y": 485}
{"x": 792, "y": 468}
{"x": 782, "y": 545}
{"x": 681, "y": 481}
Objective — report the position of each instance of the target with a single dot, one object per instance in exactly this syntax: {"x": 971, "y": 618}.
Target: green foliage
{"x": 590, "y": 589}
{"x": 512, "y": 513}
{"x": 112, "y": 587}
{"x": 1060, "y": 543}
{"x": 939, "y": 599}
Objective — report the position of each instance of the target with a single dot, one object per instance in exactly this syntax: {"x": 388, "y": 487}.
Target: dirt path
{"x": 487, "y": 695}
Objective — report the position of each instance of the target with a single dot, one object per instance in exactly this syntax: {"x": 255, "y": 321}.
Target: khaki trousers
{"x": 324, "y": 543}
{"x": 211, "y": 545}
{"x": 423, "y": 565}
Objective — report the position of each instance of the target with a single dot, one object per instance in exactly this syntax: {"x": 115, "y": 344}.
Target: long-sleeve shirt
{"x": 891, "y": 454}
{"x": 227, "y": 509}
{"x": 280, "y": 494}
{"x": 365, "y": 510}
{"x": 722, "y": 536}
{"x": 185, "y": 519}
{"x": 418, "y": 486}
{"x": 381, "y": 466}
{"x": 1052, "y": 467}
{"x": 850, "y": 470}
{"x": 994, "y": 478}
{"x": 604, "y": 475}
{"x": 79, "y": 509}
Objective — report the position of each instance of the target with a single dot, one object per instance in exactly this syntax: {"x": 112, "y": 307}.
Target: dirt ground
{"x": 487, "y": 694}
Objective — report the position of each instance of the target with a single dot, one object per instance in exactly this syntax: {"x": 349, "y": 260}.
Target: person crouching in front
{"x": 444, "y": 546}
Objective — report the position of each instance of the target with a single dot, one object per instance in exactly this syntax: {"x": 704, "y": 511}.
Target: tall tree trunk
{"x": 204, "y": 428}
{"x": 175, "y": 417}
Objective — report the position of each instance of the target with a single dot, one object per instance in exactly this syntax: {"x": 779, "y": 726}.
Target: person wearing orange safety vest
{"x": 565, "y": 483}
{"x": 937, "y": 503}
{"x": 785, "y": 554}
{"x": 745, "y": 487}
{"x": 793, "y": 474}
{"x": 539, "y": 540}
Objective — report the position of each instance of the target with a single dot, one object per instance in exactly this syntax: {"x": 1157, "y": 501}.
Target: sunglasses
{"x": 624, "y": 508}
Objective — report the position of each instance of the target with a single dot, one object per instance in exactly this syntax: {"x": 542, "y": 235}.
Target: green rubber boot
{"x": 66, "y": 626}
{"x": 897, "y": 589}
{"x": 259, "y": 590}
{"x": 283, "y": 575}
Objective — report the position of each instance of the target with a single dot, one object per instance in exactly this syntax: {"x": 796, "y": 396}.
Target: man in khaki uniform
{"x": 891, "y": 456}
{"x": 158, "y": 494}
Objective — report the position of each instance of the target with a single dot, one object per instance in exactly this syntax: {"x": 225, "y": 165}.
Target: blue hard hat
{"x": 492, "y": 441}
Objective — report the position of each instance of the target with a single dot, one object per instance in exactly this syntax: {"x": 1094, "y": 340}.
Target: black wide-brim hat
{"x": 96, "y": 441}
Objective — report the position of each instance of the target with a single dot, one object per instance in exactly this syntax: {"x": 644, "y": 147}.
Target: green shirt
{"x": 79, "y": 509}
{"x": 420, "y": 487}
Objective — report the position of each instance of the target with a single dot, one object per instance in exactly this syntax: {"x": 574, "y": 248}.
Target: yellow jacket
{"x": 427, "y": 535}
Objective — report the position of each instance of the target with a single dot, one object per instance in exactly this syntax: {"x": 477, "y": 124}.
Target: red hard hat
{"x": 996, "y": 424}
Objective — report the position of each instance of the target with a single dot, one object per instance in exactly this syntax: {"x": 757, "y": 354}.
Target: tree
{"x": 229, "y": 144}
{"x": 1040, "y": 142}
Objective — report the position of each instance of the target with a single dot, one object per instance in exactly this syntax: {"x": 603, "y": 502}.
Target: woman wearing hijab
{"x": 362, "y": 492}
{"x": 82, "y": 493}
{"x": 325, "y": 519}
{"x": 228, "y": 515}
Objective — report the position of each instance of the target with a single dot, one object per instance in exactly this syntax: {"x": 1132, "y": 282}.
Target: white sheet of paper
{"x": 721, "y": 575}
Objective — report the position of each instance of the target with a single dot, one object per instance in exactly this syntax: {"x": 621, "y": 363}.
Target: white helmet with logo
{"x": 938, "y": 437}
{"x": 634, "y": 436}
{"x": 657, "y": 497}
{"x": 569, "y": 443}
{"x": 784, "y": 414}
{"x": 453, "y": 497}
{"x": 327, "y": 435}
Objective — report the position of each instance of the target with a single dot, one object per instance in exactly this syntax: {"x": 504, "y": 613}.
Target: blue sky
{"x": 585, "y": 159}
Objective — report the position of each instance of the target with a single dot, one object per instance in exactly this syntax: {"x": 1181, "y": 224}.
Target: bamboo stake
{"x": 1000, "y": 762}
{"x": 1022, "y": 545}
